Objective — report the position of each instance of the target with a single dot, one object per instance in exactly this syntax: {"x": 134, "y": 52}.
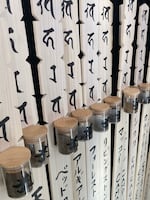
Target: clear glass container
{"x": 130, "y": 99}
{"x": 66, "y": 134}
{"x": 16, "y": 168}
{"x": 115, "y": 108}
{"x": 85, "y": 131}
{"x": 35, "y": 137}
{"x": 100, "y": 116}
{"x": 144, "y": 96}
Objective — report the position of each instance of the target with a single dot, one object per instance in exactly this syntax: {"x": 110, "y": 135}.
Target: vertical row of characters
{"x": 147, "y": 179}
{"x": 96, "y": 45}
{"x": 127, "y": 13}
{"x": 142, "y": 146}
{"x": 142, "y": 19}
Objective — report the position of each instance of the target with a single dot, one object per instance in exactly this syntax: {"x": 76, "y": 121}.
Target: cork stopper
{"x": 112, "y": 100}
{"x": 82, "y": 114}
{"x": 33, "y": 133}
{"x": 144, "y": 86}
{"x": 99, "y": 108}
{"x": 14, "y": 158}
{"x": 131, "y": 91}
{"x": 65, "y": 124}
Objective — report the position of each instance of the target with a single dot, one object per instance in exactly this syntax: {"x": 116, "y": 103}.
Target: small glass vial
{"x": 100, "y": 116}
{"x": 35, "y": 138}
{"x": 115, "y": 105}
{"x": 66, "y": 134}
{"x": 84, "y": 123}
{"x": 15, "y": 163}
{"x": 130, "y": 99}
{"x": 144, "y": 96}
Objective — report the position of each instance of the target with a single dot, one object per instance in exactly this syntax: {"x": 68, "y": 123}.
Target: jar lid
{"x": 144, "y": 86}
{"x": 33, "y": 133}
{"x": 82, "y": 114}
{"x": 65, "y": 124}
{"x": 14, "y": 158}
{"x": 131, "y": 91}
{"x": 112, "y": 100}
{"x": 99, "y": 108}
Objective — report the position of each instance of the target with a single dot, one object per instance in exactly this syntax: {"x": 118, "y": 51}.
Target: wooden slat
{"x": 142, "y": 152}
{"x": 120, "y": 156}
{"x": 19, "y": 83}
{"x": 141, "y": 42}
{"x": 97, "y": 57}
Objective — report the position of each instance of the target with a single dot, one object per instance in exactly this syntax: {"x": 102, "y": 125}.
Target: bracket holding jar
{"x": 66, "y": 134}
{"x": 100, "y": 116}
{"x": 16, "y": 167}
{"x": 35, "y": 138}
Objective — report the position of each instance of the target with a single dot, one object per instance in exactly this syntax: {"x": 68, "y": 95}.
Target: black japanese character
{"x": 142, "y": 34}
{"x": 62, "y": 190}
{"x": 128, "y": 31}
{"x": 125, "y": 77}
{"x": 53, "y": 67}
{"x": 3, "y": 126}
{"x": 79, "y": 189}
{"x": 56, "y": 104}
{"x": 130, "y": 5}
{"x": 48, "y": 5}
{"x": 22, "y": 110}
{"x": 141, "y": 55}
{"x": 105, "y": 37}
{"x": 61, "y": 172}
{"x": 121, "y": 131}
{"x": 71, "y": 65}
{"x": 90, "y": 10}
{"x": 90, "y": 39}
{"x": 11, "y": 31}
{"x": 36, "y": 195}
{"x": 91, "y": 93}
{"x": 91, "y": 66}
{"x": 47, "y": 38}
{"x": 105, "y": 13}
{"x": 140, "y": 74}
{"x": 66, "y": 8}
{"x": 72, "y": 99}
{"x": 105, "y": 86}
{"x": 8, "y": 6}
{"x": 105, "y": 62}
{"x": 92, "y": 149}
{"x": 77, "y": 158}
{"x": 126, "y": 59}
{"x": 16, "y": 73}
{"x": 144, "y": 15}
{"x": 68, "y": 39}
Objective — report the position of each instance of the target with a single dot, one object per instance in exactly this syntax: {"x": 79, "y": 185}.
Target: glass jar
{"x": 100, "y": 116}
{"x": 35, "y": 138}
{"x": 144, "y": 96}
{"x": 130, "y": 99}
{"x": 84, "y": 123}
{"x": 15, "y": 163}
{"x": 115, "y": 108}
{"x": 66, "y": 134}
